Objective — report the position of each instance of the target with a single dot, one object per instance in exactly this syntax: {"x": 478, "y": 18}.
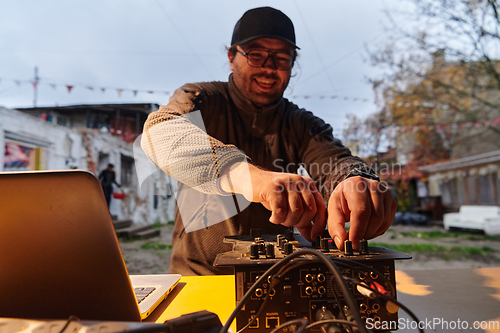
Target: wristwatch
{"x": 362, "y": 173}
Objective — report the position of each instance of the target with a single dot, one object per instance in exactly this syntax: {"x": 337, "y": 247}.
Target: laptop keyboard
{"x": 142, "y": 293}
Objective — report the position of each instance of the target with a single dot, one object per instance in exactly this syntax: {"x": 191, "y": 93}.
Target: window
{"x": 446, "y": 194}
{"x": 128, "y": 177}
{"x": 460, "y": 191}
{"x": 486, "y": 190}
{"x": 62, "y": 121}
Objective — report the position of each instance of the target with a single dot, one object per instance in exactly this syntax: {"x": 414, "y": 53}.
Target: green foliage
{"x": 157, "y": 225}
{"x": 436, "y": 234}
{"x": 445, "y": 252}
{"x": 155, "y": 246}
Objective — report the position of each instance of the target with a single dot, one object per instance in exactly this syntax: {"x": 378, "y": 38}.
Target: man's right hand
{"x": 293, "y": 200}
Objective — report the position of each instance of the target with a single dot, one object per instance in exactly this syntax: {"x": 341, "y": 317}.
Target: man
{"x": 107, "y": 178}
{"x": 247, "y": 119}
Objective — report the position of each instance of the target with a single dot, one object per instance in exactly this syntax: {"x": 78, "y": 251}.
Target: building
{"x": 88, "y": 137}
{"x": 472, "y": 180}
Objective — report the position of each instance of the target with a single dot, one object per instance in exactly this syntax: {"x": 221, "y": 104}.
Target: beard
{"x": 265, "y": 89}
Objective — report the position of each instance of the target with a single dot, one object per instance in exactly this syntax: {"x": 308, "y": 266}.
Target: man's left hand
{"x": 367, "y": 204}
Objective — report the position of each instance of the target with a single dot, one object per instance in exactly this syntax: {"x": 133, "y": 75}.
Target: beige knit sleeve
{"x": 175, "y": 140}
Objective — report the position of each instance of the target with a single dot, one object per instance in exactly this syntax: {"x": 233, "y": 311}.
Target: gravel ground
{"x": 152, "y": 256}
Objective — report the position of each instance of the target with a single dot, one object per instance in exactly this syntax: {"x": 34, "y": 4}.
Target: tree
{"x": 365, "y": 137}
{"x": 441, "y": 77}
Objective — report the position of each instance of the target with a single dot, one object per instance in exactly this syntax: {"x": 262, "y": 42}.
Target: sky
{"x": 159, "y": 45}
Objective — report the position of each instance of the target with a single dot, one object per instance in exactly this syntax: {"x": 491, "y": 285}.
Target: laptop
{"x": 59, "y": 255}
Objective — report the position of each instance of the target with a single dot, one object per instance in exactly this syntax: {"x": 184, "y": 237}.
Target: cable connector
{"x": 365, "y": 290}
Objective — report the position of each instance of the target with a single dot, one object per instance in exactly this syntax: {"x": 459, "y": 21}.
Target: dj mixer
{"x": 306, "y": 287}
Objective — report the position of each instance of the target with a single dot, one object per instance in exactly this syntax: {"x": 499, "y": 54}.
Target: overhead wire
{"x": 183, "y": 37}
{"x": 311, "y": 37}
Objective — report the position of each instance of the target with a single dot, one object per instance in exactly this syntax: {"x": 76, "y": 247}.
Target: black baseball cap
{"x": 263, "y": 22}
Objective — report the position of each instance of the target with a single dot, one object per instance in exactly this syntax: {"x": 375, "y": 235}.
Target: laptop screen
{"x": 59, "y": 255}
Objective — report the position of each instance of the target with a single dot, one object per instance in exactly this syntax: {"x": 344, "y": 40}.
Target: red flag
{"x": 496, "y": 121}
{"x": 69, "y": 88}
{"x": 35, "y": 84}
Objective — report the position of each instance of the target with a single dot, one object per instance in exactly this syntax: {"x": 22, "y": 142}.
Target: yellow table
{"x": 195, "y": 293}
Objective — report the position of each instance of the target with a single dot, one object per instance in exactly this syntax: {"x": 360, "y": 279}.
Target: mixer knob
{"x": 254, "y": 251}
{"x": 325, "y": 245}
{"x": 270, "y": 251}
{"x": 363, "y": 247}
{"x": 348, "y": 248}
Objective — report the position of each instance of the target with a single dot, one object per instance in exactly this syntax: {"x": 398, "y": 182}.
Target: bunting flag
{"x": 478, "y": 124}
{"x": 440, "y": 128}
{"x": 135, "y": 92}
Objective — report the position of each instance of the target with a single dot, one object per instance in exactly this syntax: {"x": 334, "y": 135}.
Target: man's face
{"x": 266, "y": 84}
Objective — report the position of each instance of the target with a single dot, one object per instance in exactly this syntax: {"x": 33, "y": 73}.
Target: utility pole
{"x": 35, "y": 86}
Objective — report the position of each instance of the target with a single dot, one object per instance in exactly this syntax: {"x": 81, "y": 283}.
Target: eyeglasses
{"x": 257, "y": 58}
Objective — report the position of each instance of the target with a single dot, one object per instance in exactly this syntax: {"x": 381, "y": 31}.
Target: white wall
{"x": 70, "y": 148}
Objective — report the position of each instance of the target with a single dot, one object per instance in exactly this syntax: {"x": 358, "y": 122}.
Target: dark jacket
{"x": 277, "y": 137}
